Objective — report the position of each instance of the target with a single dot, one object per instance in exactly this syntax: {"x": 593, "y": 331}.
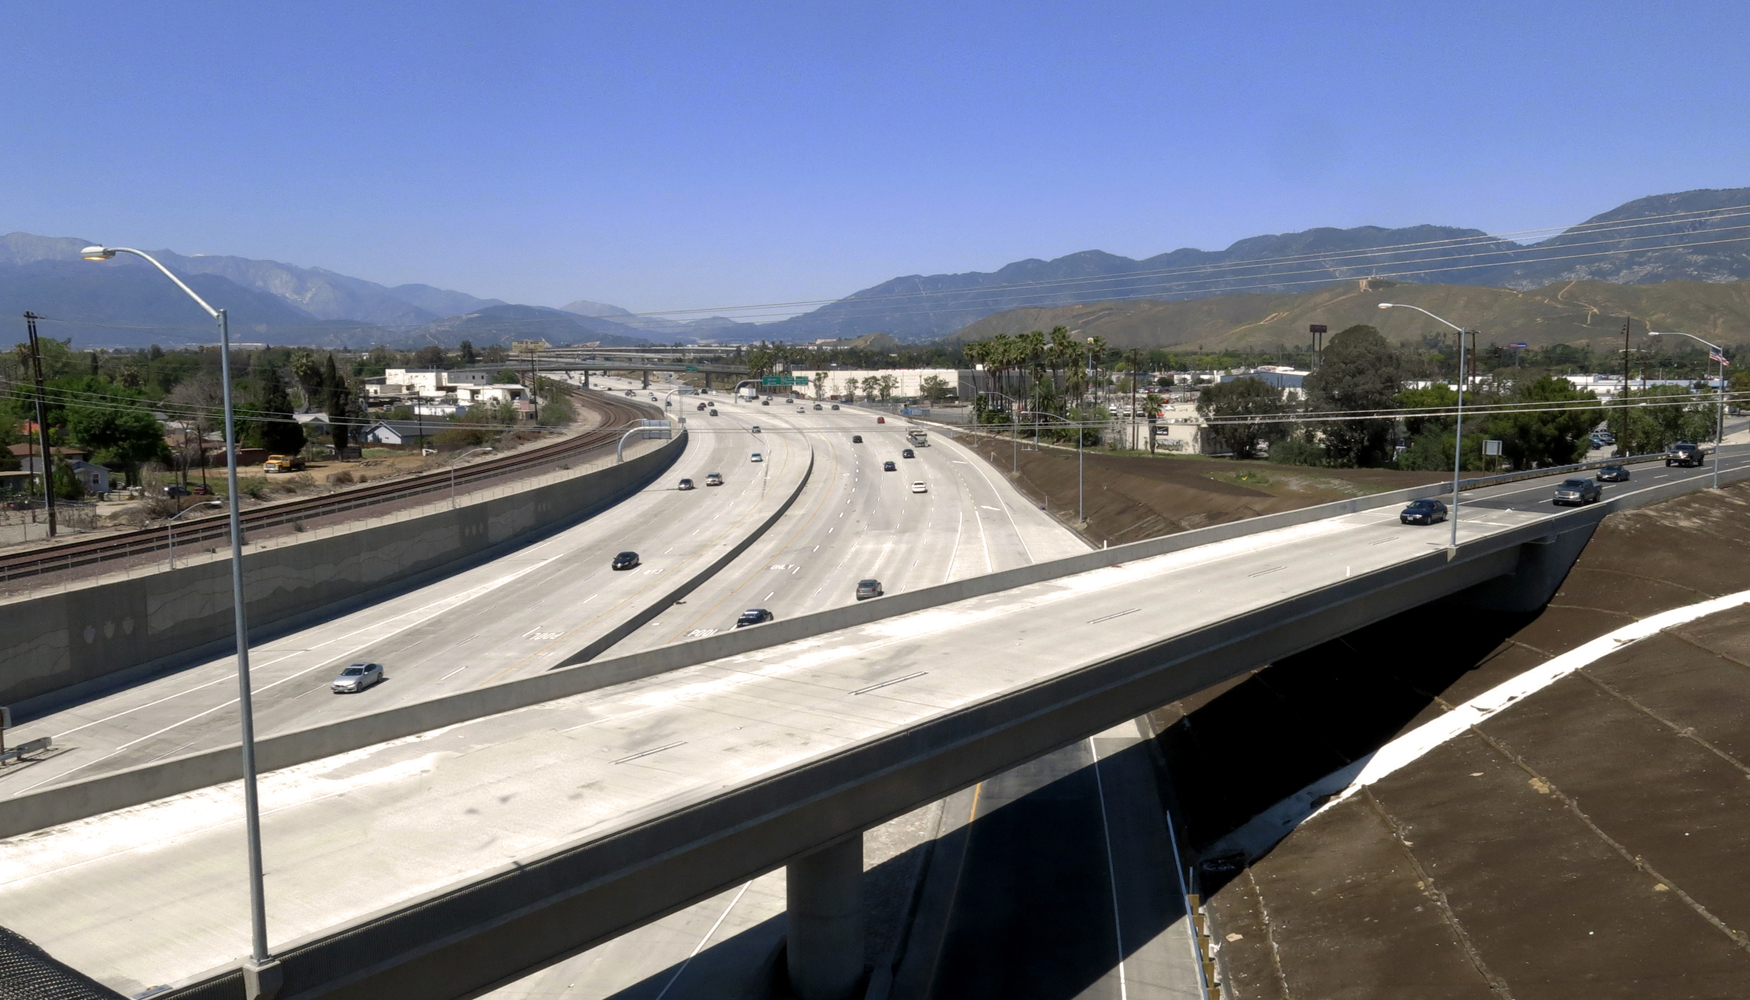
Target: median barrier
{"x": 61, "y": 646}
{"x": 147, "y": 782}
{"x": 668, "y": 600}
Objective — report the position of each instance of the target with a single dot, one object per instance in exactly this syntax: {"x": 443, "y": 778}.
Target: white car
{"x": 756, "y": 457}
{"x": 919, "y": 487}
{"x": 356, "y": 677}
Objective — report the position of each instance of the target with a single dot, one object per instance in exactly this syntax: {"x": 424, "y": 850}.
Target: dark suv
{"x": 1576, "y": 492}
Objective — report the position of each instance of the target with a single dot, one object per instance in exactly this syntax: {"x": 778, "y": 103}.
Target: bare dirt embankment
{"x": 1591, "y": 840}
{"x": 1128, "y": 499}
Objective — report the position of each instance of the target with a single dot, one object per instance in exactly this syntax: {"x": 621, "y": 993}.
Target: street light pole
{"x": 453, "y": 462}
{"x": 1719, "y": 397}
{"x": 262, "y": 974}
{"x": 1458, "y": 437}
{"x": 170, "y": 524}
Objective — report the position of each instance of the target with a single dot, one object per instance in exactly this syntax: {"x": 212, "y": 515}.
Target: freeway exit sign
{"x": 783, "y": 380}
{"x": 692, "y": 368}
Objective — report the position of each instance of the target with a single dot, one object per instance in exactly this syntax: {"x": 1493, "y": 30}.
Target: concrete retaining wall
{"x": 63, "y": 803}
{"x": 59, "y": 646}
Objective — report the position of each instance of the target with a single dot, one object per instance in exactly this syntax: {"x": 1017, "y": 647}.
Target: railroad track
{"x": 616, "y": 414}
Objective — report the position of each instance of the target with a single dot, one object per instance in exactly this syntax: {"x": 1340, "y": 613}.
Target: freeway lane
{"x": 514, "y": 616}
{"x": 855, "y": 521}
{"x": 351, "y": 835}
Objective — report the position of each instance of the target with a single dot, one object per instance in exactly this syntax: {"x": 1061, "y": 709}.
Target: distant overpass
{"x": 526, "y": 822}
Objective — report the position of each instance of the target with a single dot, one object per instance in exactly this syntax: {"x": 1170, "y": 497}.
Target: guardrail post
{"x": 823, "y": 898}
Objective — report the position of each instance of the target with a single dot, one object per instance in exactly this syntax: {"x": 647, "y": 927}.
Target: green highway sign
{"x": 783, "y": 380}
{"x": 692, "y": 368}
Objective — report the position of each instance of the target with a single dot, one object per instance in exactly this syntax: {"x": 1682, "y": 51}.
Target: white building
{"x": 908, "y": 383}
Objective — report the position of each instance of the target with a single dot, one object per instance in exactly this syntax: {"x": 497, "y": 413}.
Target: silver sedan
{"x": 356, "y": 677}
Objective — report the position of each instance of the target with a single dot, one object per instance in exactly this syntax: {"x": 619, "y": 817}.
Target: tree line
{"x": 1361, "y": 375}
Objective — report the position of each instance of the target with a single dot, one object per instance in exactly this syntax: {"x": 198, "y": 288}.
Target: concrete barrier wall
{"x": 147, "y": 782}
{"x": 59, "y": 646}
{"x": 668, "y": 600}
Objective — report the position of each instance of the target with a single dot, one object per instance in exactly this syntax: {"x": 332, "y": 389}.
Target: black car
{"x": 1613, "y": 474}
{"x": 626, "y": 560}
{"x": 889, "y": 467}
{"x": 1575, "y": 492}
{"x": 856, "y": 439}
{"x": 173, "y": 490}
{"x": 753, "y": 616}
{"x": 908, "y": 453}
{"x": 1429, "y": 511}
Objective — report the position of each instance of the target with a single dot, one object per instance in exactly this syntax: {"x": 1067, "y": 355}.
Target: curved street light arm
{"x": 112, "y": 251}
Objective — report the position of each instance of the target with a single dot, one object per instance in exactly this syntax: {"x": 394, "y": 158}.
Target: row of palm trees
{"x": 1018, "y": 366}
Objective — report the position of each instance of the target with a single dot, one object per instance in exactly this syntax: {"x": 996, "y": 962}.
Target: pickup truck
{"x": 283, "y": 463}
{"x": 1686, "y": 454}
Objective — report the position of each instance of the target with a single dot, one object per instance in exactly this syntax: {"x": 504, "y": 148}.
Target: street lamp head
{"x": 97, "y": 253}
{"x": 1388, "y": 305}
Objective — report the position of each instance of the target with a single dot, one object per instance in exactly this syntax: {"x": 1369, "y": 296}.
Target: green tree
{"x": 887, "y": 384}
{"x": 936, "y": 388}
{"x": 67, "y": 485}
{"x": 465, "y": 351}
{"x": 307, "y": 372}
{"x": 337, "y": 403}
{"x": 1661, "y": 414}
{"x": 278, "y": 432}
{"x": 431, "y": 357}
{"x": 118, "y": 434}
{"x": 1236, "y": 413}
{"x": 1361, "y": 371}
{"x": 1558, "y": 437}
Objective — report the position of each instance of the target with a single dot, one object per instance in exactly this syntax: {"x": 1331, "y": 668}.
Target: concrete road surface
{"x": 153, "y": 894}
{"x": 514, "y": 616}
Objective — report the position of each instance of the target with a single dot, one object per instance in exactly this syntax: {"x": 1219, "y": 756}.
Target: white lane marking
{"x": 1274, "y": 823}
{"x": 441, "y": 605}
{"x": 700, "y": 946}
{"x": 452, "y": 673}
{"x": 1111, "y": 868}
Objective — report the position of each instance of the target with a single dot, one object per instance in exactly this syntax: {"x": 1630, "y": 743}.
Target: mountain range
{"x": 1694, "y": 236}
{"x": 1567, "y": 312}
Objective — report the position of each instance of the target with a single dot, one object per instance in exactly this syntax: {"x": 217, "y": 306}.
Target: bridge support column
{"x": 707, "y": 381}
{"x": 646, "y": 378}
{"x": 586, "y": 378}
{"x": 824, "y": 910}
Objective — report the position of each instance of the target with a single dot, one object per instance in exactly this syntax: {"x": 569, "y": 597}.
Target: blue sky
{"x": 668, "y": 156}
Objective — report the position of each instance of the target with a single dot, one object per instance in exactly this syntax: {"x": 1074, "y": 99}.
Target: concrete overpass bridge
{"x": 444, "y": 848}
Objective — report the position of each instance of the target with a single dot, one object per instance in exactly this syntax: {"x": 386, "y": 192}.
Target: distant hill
{"x": 1710, "y": 227}
{"x": 1574, "y": 312}
{"x": 507, "y": 323}
{"x": 715, "y": 328}
{"x": 114, "y": 304}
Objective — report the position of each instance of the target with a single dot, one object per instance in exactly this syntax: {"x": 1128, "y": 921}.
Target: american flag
{"x": 1716, "y": 357}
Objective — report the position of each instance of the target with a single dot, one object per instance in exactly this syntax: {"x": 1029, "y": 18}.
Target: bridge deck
{"x": 381, "y": 828}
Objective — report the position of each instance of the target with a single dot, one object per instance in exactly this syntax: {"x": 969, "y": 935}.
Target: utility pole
{"x": 1622, "y": 435}
{"x": 42, "y": 424}
{"x": 1135, "y": 373}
